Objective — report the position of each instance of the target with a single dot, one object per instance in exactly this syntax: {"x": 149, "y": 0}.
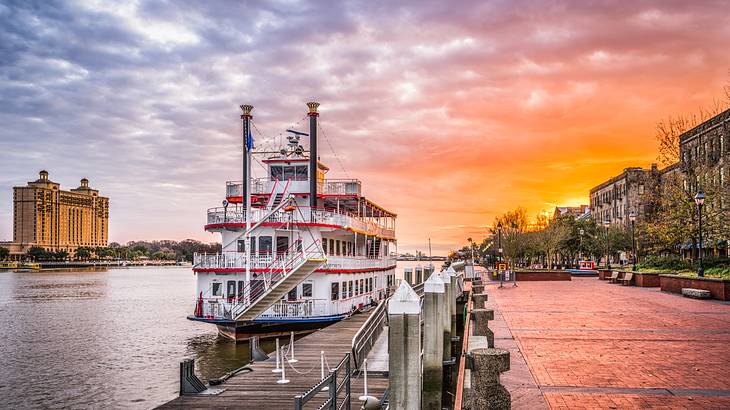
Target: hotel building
{"x": 58, "y": 220}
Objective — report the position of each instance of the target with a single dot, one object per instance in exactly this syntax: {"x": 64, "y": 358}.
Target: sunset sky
{"x": 450, "y": 112}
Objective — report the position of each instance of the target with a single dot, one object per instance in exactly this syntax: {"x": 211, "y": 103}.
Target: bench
{"x": 696, "y": 293}
{"x": 626, "y": 280}
{"x": 614, "y": 277}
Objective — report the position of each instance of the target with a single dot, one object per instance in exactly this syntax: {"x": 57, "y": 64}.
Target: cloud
{"x": 449, "y": 113}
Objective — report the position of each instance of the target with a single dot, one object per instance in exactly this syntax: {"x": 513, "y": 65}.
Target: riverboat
{"x": 299, "y": 250}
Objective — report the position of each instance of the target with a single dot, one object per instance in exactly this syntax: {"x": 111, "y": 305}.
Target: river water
{"x": 105, "y": 339}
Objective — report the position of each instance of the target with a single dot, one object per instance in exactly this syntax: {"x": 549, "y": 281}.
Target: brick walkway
{"x": 591, "y": 344}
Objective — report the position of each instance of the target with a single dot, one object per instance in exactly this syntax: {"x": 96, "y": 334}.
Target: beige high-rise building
{"x": 58, "y": 220}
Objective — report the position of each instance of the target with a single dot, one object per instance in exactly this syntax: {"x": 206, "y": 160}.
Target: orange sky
{"x": 449, "y": 112}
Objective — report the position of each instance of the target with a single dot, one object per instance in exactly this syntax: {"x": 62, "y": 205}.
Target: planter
{"x": 647, "y": 279}
{"x": 604, "y": 274}
{"x": 719, "y": 288}
{"x": 524, "y": 276}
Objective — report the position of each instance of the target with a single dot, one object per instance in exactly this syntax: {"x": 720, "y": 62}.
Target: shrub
{"x": 670, "y": 263}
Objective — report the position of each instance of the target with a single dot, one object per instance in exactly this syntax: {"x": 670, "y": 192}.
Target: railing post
{"x": 333, "y": 389}
{"x": 348, "y": 390}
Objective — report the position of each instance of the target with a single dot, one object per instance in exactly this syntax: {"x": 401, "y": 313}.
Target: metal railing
{"x": 369, "y": 333}
{"x": 334, "y": 391}
{"x": 220, "y": 215}
{"x": 328, "y": 186}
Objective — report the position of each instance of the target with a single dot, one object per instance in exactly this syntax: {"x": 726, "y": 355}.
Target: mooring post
{"x": 433, "y": 368}
{"x": 479, "y": 299}
{"x": 446, "y": 317}
{"x": 486, "y": 365}
{"x": 454, "y": 295}
{"x": 404, "y": 346}
{"x": 481, "y": 318}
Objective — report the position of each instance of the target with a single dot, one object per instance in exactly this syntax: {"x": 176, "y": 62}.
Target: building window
{"x": 307, "y": 290}
{"x": 335, "y": 290}
{"x": 641, "y": 189}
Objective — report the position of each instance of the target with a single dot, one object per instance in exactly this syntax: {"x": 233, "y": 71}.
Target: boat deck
{"x": 259, "y": 390}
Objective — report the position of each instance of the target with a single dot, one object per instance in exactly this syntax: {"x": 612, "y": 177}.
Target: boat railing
{"x": 222, "y": 215}
{"x": 328, "y": 186}
{"x": 345, "y": 262}
{"x": 369, "y": 333}
{"x": 298, "y": 308}
{"x": 231, "y": 260}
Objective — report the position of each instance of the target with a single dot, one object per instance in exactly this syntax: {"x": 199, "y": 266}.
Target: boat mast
{"x": 246, "y": 185}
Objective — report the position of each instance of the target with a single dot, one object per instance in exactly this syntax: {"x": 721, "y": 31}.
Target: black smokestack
{"x": 313, "y": 114}
{"x": 246, "y": 119}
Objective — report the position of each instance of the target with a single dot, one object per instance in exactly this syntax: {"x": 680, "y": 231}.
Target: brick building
{"x": 631, "y": 190}
{"x": 58, "y": 220}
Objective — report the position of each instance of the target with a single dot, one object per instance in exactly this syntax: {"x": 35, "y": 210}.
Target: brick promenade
{"x": 591, "y": 344}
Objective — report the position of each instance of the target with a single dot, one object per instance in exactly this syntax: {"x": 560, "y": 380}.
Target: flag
{"x": 249, "y": 141}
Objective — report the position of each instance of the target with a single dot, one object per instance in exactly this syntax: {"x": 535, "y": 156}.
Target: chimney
{"x": 246, "y": 119}
{"x": 313, "y": 114}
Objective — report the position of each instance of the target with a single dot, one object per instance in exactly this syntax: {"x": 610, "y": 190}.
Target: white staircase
{"x": 278, "y": 289}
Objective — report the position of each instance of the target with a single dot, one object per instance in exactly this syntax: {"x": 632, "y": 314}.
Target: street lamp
{"x": 606, "y": 224}
{"x": 700, "y": 200}
{"x": 632, "y": 218}
{"x": 499, "y": 240}
{"x": 580, "y": 248}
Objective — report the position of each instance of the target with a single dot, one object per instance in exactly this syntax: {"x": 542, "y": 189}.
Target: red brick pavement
{"x": 591, "y": 344}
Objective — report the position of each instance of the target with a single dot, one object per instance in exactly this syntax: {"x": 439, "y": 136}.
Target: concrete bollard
{"x": 477, "y": 288}
{"x": 433, "y": 303}
{"x": 479, "y": 300}
{"x": 404, "y": 347}
{"x": 481, "y": 318}
{"x": 446, "y": 316}
{"x": 486, "y": 365}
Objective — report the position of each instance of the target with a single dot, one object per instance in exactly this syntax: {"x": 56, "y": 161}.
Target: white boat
{"x": 303, "y": 254}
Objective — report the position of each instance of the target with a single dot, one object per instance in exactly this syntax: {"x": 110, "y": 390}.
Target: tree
{"x": 37, "y": 253}
{"x": 83, "y": 253}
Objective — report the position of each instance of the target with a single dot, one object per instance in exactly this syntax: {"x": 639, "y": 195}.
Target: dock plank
{"x": 259, "y": 390}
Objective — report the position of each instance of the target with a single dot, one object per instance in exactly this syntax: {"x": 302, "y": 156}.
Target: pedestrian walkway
{"x": 590, "y": 344}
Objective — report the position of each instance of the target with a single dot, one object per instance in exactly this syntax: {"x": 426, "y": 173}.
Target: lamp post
{"x": 632, "y": 218}
{"x": 225, "y": 210}
{"x": 580, "y": 247}
{"x": 499, "y": 248}
{"x": 700, "y": 200}
{"x": 606, "y": 224}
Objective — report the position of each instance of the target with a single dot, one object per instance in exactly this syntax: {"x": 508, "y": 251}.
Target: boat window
{"x": 277, "y": 172}
{"x": 217, "y": 289}
{"x": 344, "y": 290}
{"x": 362, "y": 286}
{"x": 288, "y": 173}
{"x": 306, "y": 290}
{"x": 332, "y": 246}
{"x": 282, "y": 245}
{"x": 335, "y": 290}
{"x": 349, "y": 291}
{"x": 257, "y": 288}
{"x": 265, "y": 244}
{"x": 337, "y": 247}
{"x": 357, "y": 287}
{"x": 241, "y": 245}
{"x": 292, "y": 294}
{"x": 241, "y": 286}
{"x": 324, "y": 246}
{"x": 231, "y": 289}
{"x": 253, "y": 246}
{"x": 300, "y": 172}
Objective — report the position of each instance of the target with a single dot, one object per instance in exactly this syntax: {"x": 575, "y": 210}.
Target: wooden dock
{"x": 259, "y": 390}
